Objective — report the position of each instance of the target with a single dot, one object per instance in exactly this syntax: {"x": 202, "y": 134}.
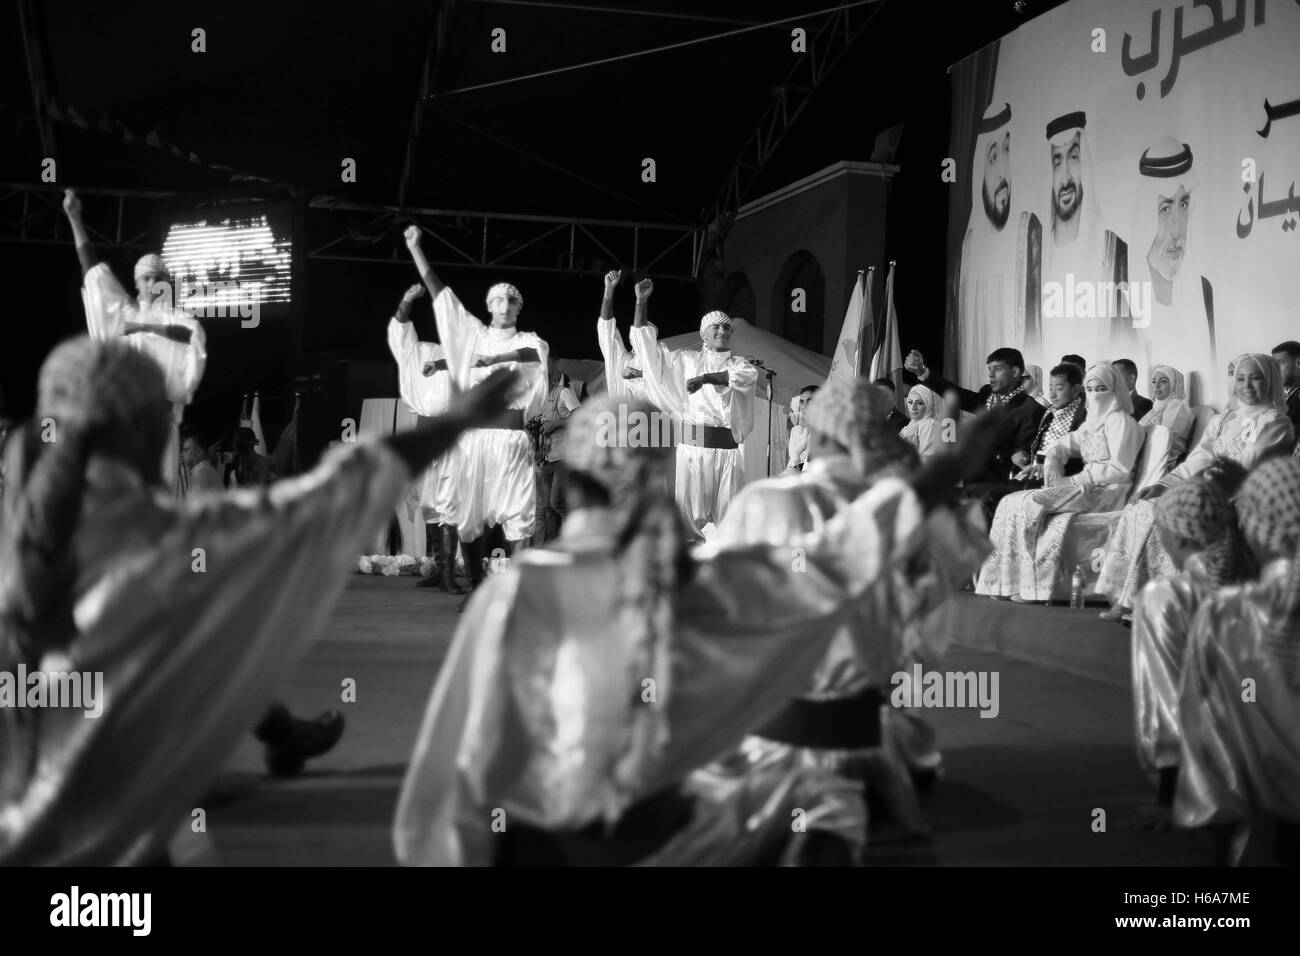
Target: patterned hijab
{"x": 1273, "y": 394}
{"x": 1199, "y": 511}
{"x": 1177, "y": 394}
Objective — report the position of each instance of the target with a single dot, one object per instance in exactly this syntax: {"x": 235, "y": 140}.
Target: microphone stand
{"x": 770, "y": 412}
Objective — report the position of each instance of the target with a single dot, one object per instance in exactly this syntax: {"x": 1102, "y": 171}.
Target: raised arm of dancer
{"x": 429, "y": 277}
{"x": 85, "y": 251}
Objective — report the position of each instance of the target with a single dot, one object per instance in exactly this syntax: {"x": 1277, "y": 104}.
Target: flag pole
{"x": 857, "y": 371}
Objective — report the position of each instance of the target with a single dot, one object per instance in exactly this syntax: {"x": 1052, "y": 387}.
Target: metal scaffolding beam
{"x": 519, "y": 241}
{"x": 828, "y": 41}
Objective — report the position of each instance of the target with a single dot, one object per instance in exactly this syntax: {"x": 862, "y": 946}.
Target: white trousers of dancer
{"x": 494, "y": 484}
{"x": 707, "y": 480}
{"x": 438, "y": 489}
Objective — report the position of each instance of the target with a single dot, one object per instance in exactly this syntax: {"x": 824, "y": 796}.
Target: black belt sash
{"x": 643, "y": 828}
{"x": 836, "y": 723}
{"x": 707, "y": 436}
{"x": 510, "y": 418}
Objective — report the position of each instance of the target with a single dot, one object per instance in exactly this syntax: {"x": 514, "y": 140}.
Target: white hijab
{"x": 1114, "y": 401}
{"x": 1177, "y": 395}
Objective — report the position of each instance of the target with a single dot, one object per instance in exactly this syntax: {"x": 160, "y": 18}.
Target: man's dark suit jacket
{"x": 1141, "y": 405}
{"x": 1023, "y": 414}
{"x": 1293, "y": 410}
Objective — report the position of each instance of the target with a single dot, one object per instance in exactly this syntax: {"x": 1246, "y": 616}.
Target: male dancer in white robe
{"x": 425, "y": 385}
{"x": 149, "y": 323}
{"x": 1178, "y": 329}
{"x": 1083, "y": 260}
{"x": 494, "y": 504}
{"x": 716, "y": 390}
{"x": 998, "y": 295}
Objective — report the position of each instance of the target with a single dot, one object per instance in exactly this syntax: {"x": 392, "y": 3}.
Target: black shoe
{"x": 300, "y": 740}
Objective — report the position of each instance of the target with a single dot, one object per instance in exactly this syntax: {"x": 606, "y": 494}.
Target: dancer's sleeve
{"x": 739, "y": 396}
{"x": 662, "y": 370}
{"x": 108, "y": 307}
{"x": 459, "y": 332}
{"x": 443, "y": 817}
{"x": 614, "y": 352}
{"x": 192, "y": 634}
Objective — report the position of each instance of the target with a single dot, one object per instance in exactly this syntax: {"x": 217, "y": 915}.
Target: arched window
{"x": 799, "y": 301}
{"x": 738, "y": 299}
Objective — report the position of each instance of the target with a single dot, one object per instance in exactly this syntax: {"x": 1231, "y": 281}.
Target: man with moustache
{"x": 1083, "y": 261}
{"x": 998, "y": 287}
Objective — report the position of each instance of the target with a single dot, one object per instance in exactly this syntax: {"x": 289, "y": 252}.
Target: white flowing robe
{"x": 189, "y": 660}
{"x": 109, "y": 308}
{"x": 426, "y": 395}
{"x": 707, "y": 478}
{"x": 535, "y": 703}
{"x": 494, "y": 483}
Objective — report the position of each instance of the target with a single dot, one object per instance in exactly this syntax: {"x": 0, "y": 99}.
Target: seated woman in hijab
{"x": 924, "y": 429}
{"x": 1198, "y": 525}
{"x": 184, "y": 616}
{"x": 1170, "y": 410}
{"x": 1029, "y": 526}
{"x": 1254, "y": 426}
{"x": 1033, "y": 379}
{"x": 1239, "y": 705}
{"x": 591, "y": 678}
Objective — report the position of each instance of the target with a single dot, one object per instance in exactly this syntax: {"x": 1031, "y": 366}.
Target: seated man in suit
{"x": 1005, "y": 389}
{"x": 894, "y": 417}
{"x": 1287, "y": 356}
{"x": 1141, "y": 404}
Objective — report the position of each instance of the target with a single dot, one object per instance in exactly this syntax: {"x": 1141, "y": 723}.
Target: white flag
{"x": 848, "y": 349}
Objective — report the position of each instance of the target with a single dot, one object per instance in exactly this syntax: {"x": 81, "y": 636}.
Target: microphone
{"x": 758, "y": 363}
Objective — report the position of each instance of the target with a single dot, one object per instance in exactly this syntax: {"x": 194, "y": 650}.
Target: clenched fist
{"x": 612, "y": 279}
{"x": 412, "y": 236}
{"x": 643, "y": 289}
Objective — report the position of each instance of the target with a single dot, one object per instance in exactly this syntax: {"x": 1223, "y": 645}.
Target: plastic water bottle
{"x": 1077, "y": 584}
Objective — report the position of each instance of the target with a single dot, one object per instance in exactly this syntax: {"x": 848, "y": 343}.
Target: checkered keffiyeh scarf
{"x": 1269, "y": 505}
{"x": 1056, "y": 424}
{"x": 1201, "y": 512}
{"x": 995, "y": 400}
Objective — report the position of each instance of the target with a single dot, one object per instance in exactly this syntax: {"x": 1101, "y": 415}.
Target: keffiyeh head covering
{"x": 151, "y": 264}
{"x": 716, "y": 317}
{"x": 854, "y": 413}
{"x": 504, "y": 289}
{"x": 1177, "y": 393}
{"x": 1269, "y": 505}
{"x": 1273, "y": 393}
{"x": 1114, "y": 400}
{"x": 652, "y": 553}
{"x": 1201, "y": 512}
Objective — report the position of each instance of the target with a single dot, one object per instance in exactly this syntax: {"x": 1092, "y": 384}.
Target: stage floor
{"x": 1020, "y": 789}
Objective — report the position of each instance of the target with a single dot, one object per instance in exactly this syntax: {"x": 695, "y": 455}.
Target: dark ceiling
{"x": 286, "y": 91}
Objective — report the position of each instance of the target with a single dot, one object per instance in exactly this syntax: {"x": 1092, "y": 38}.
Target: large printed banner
{"x": 1131, "y": 168}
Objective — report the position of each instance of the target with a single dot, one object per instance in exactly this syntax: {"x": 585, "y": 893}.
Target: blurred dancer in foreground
{"x": 187, "y": 615}
{"x": 836, "y": 722}
{"x": 590, "y": 679}
{"x": 1239, "y": 704}
{"x": 1198, "y": 527}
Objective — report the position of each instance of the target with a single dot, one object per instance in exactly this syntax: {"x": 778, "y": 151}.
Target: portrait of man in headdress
{"x": 1084, "y": 262}
{"x": 1175, "y": 311}
{"x": 998, "y": 299}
